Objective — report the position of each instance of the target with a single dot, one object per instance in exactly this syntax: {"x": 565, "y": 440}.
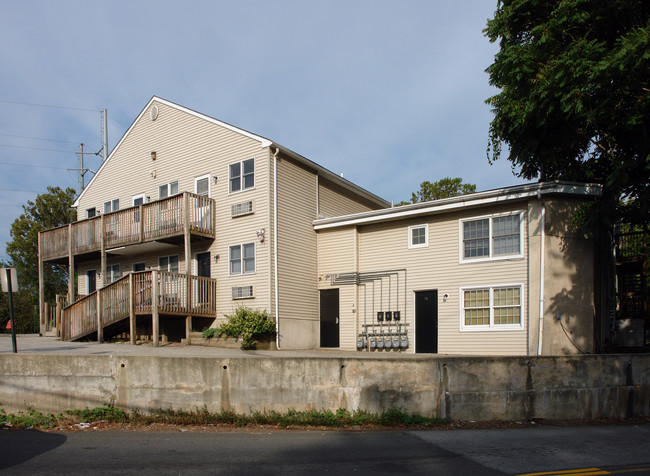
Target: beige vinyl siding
{"x": 336, "y": 254}
{"x": 385, "y": 247}
{"x": 334, "y": 200}
{"x": 297, "y": 258}
{"x": 187, "y": 147}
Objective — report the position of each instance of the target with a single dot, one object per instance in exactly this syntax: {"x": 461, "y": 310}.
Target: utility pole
{"x": 82, "y": 170}
{"x": 104, "y": 134}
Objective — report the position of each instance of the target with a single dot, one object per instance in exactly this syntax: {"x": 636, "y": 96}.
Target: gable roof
{"x": 264, "y": 142}
{"x": 443, "y": 205}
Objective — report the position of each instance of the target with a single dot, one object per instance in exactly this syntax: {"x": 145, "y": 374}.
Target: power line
{"x": 47, "y": 105}
{"x": 39, "y": 138}
{"x": 37, "y": 148}
{"x": 34, "y": 166}
{"x": 10, "y": 205}
{"x": 16, "y": 190}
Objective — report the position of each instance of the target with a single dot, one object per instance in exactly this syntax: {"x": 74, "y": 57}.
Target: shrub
{"x": 245, "y": 322}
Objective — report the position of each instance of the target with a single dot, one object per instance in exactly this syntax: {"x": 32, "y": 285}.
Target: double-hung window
{"x": 242, "y": 175}
{"x": 493, "y": 237}
{"x": 492, "y": 308}
{"x": 418, "y": 236}
{"x": 242, "y": 259}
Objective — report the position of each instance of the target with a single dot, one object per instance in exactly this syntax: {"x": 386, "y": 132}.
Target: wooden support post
{"x": 70, "y": 266}
{"x": 188, "y": 326}
{"x": 100, "y": 329}
{"x": 141, "y": 212}
{"x": 132, "y": 309}
{"x": 102, "y": 282}
{"x": 155, "y": 320}
{"x": 41, "y": 284}
{"x": 188, "y": 253}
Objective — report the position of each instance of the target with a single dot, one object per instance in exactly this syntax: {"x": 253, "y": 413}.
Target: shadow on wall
{"x": 570, "y": 318}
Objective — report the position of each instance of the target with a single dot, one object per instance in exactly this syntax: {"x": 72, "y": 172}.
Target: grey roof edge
{"x": 499, "y": 195}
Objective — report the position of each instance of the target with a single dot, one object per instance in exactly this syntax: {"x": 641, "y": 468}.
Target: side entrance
{"x": 426, "y": 322}
{"x": 329, "y": 318}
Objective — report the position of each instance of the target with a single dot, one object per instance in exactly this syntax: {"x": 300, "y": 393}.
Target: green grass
{"x": 341, "y": 418}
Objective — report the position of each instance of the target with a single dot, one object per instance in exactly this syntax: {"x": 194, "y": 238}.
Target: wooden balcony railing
{"x": 131, "y": 295}
{"x": 139, "y": 224}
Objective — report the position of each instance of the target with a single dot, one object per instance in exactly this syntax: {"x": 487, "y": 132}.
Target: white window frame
{"x": 110, "y": 273}
{"x": 491, "y": 327}
{"x": 168, "y": 260}
{"x": 491, "y": 257}
{"x": 241, "y": 176}
{"x": 114, "y": 205}
{"x": 241, "y": 259}
{"x": 92, "y": 210}
{"x": 135, "y": 264}
{"x": 135, "y": 197}
{"x": 168, "y": 187}
{"x": 196, "y": 181}
{"x": 426, "y": 236}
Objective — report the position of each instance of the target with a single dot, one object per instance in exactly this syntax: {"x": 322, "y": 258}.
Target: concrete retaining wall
{"x": 474, "y": 388}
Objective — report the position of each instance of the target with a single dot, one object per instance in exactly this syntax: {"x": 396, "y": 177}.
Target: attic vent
{"x": 243, "y": 208}
{"x": 242, "y": 292}
{"x": 154, "y": 112}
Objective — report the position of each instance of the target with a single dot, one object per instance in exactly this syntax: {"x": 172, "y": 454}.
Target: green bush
{"x": 245, "y": 322}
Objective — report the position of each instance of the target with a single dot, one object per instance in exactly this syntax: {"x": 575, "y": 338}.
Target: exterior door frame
{"x": 435, "y": 345}
{"x": 329, "y": 329}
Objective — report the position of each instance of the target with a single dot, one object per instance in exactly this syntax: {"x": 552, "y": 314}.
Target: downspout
{"x": 275, "y": 246}
{"x": 541, "y": 275}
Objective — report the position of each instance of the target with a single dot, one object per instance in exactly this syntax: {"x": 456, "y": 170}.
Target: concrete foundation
{"x": 474, "y": 388}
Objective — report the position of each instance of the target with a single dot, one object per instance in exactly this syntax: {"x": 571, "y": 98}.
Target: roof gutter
{"x": 464, "y": 201}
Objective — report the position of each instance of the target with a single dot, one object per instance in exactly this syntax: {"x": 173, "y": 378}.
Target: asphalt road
{"x": 590, "y": 450}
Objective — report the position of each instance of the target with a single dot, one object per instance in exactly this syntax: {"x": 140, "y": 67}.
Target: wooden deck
{"x": 144, "y": 293}
{"x": 163, "y": 219}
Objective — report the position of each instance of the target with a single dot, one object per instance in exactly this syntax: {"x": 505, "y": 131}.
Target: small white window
{"x": 138, "y": 199}
{"x": 167, "y": 190}
{"x": 242, "y": 175}
{"x": 418, "y": 236}
{"x": 139, "y": 267}
{"x": 202, "y": 186}
{"x": 91, "y": 212}
{"x": 168, "y": 263}
{"x": 112, "y": 206}
{"x": 113, "y": 273}
{"x": 242, "y": 259}
{"x": 491, "y": 237}
{"x": 492, "y": 308}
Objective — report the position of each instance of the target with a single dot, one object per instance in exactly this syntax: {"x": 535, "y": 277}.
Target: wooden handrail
{"x": 117, "y": 299}
{"x": 137, "y": 224}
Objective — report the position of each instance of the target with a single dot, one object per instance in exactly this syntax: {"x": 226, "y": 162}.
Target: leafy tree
{"x": 48, "y": 210}
{"x": 443, "y": 188}
{"x": 575, "y": 96}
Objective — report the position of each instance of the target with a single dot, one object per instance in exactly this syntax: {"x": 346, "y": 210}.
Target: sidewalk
{"x": 33, "y": 344}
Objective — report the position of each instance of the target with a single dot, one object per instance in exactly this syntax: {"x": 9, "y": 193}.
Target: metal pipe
{"x": 275, "y": 246}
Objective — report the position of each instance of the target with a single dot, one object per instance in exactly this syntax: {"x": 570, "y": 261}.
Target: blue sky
{"x": 389, "y": 93}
